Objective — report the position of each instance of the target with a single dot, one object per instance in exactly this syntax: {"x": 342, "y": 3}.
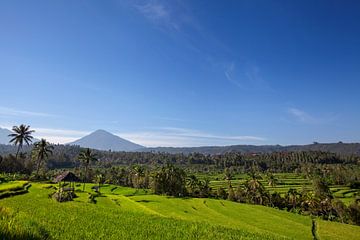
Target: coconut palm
{"x": 41, "y": 152}
{"x": 193, "y": 183}
{"x": 205, "y": 188}
{"x": 21, "y": 135}
{"x": 292, "y": 196}
{"x": 272, "y": 180}
{"x": 228, "y": 174}
{"x": 99, "y": 179}
{"x": 139, "y": 174}
{"x": 86, "y": 157}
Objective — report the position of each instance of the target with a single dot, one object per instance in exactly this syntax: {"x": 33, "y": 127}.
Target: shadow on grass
{"x": 146, "y": 201}
{"x": 21, "y": 234}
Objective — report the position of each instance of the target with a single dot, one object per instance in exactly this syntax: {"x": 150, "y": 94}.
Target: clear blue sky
{"x": 183, "y": 73}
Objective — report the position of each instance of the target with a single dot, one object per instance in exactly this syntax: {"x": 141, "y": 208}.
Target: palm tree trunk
{"x": 84, "y": 178}
{"x": 38, "y": 167}
{"x": 17, "y": 152}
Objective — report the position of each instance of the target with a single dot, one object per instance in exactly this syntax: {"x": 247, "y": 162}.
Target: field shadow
{"x": 146, "y": 201}
{"x": 8, "y": 236}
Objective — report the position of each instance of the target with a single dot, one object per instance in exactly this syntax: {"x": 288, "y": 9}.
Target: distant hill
{"x": 4, "y": 138}
{"x": 103, "y": 140}
{"x": 340, "y": 148}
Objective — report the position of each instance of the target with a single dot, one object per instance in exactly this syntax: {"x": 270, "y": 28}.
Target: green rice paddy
{"x": 127, "y": 213}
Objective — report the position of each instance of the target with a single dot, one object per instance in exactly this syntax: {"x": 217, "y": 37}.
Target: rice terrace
{"x": 179, "y": 119}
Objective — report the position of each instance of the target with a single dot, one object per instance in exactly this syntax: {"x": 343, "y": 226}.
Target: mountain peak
{"x": 104, "y": 140}
{"x": 101, "y": 131}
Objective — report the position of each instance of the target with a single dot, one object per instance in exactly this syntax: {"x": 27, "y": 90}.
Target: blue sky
{"x": 183, "y": 73}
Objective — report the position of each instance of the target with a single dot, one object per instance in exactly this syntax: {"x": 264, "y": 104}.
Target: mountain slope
{"x": 4, "y": 138}
{"x": 103, "y": 140}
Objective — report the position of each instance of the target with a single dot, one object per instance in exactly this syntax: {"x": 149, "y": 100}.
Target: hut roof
{"x": 67, "y": 176}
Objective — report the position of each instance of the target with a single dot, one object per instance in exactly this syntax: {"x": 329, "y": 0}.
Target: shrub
{"x": 62, "y": 196}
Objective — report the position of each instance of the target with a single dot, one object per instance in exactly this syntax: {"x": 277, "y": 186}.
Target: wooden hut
{"x": 69, "y": 177}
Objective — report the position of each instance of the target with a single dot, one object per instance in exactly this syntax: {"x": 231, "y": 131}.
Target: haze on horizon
{"x": 182, "y": 73}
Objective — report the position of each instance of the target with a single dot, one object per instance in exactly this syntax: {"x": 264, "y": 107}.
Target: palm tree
{"x": 292, "y": 196}
{"x": 99, "y": 179}
{"x": 272, "y": 180}
{"x": 205, "y": 188}
{"x": 228, "y": 175}
{"x": 193, "y": 183}
{"x": 139, "y": 173}
{"x": 86, "y": 157}
{"x": 40, "y": 152}
{"x": 21, "y": 134}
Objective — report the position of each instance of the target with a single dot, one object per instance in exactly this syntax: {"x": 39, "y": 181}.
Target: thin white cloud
{"x": 62, "y": 132}
{"x": 154, "y": 10}
{"x": 59, "y": 135}
{"x": 55, "y": 135}
{"x": 300, "y": 115}
{"x": 180, "y": 137}
{"x": 158, "y": 13}
{"x": 304, "y": 117}
{"x": 164, "y": 136}
{"x": 230, "y": 74}
{"x": 17, "y": 112}
{"x": 246, "y": 77}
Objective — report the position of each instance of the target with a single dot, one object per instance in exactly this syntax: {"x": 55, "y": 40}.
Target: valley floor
{"x": 125, "y": 213}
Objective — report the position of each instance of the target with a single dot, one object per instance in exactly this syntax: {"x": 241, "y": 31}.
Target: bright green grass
{"x": 333, "y": 230}
{"x": 36, "y": 216}
{"x": 229, "y": 214}
{"x": 9, "y": 186}
{"x": 124, "y": 213}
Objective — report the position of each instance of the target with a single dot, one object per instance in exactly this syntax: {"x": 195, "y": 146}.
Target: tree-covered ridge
{"x": 340, "y": 148}
{"x": 66, "y": 155}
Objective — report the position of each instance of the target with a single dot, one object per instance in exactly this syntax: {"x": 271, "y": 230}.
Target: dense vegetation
{"x": 252, "y": 178}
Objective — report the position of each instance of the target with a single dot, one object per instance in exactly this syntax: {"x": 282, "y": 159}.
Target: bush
{"x": 62, "y": 196}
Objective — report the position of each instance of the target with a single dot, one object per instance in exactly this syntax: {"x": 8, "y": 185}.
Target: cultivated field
{"x": 126, "y": 213}
{"x": 284, "y": 182}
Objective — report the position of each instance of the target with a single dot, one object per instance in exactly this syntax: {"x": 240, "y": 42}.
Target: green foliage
{"x": 86, "y": 157}
{"x": 170, "y": 180}
{"x": 41, "y": 152}
{"x": 221, "y": 193}
{"x": 321, "y": 189}
{"x": 21, "y": 135}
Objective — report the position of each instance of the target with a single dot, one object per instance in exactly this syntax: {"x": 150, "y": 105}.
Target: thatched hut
{"x": 69, "y": 177}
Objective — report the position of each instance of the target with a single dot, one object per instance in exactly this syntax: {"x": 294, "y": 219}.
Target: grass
{"x": 12, "y": 186}
{"x": 125, "y": 213}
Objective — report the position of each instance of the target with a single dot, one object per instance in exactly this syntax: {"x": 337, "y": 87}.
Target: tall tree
{"x": 272, "y": 180}
{"x": 86, "y": 157}
{"x": 292, "y": 196}
{"x": 21, "y": 134}
{"x": 138, "y": 173}
{"x": 99, "y": 180}
{"x": 170, "y": 180}
{"x": 41, "y": 152}
{"x": 192, "y": 183}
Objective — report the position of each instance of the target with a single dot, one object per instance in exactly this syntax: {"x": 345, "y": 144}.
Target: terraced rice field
{"x": 126, "y": 213}
{"x": 284, "y": 183}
